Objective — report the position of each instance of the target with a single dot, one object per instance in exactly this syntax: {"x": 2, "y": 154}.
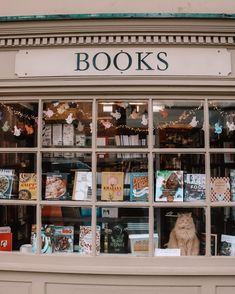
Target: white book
{"x": 82, "y": 187}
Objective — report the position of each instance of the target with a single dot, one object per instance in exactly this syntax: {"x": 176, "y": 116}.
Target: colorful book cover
{"x": 85, "y": 240}
{"x": 63, "y": 239}
{"x": 227, "y": 246}
{"x": 220, "y": 189}
{"x": 112, "y": 186}
{"x": 47, "y": 235}
{"x": 56, "y": 186}
{"x": 232, "y": 184}
{"x": 195, "y": 187}
{"x": 7, "y": 177}
{"x": 169, "y": 185}
{"x": 82, "y": 187}
{"x": 6, "y": 241}
{"x": 139, "y": 186}
{"x": 27, "y": 186}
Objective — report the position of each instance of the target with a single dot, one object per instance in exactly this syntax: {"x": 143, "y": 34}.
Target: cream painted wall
{"x": 43, "y": 7}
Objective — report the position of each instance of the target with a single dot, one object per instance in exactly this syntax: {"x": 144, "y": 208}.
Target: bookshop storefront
{"x": 117, "y": 156}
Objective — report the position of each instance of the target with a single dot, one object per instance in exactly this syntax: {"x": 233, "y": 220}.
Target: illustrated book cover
{"x": 169, "y": 185}
{"x": 195, "y": 187}
{"x": 85, "y": 240}
{"x": 220, "y": 189}
{"x": 115, "y": 238}
{"x": 6, "y": 241}
{"x": 63, "y": 239}
{"x": 112, "y": 186}
{"x": 27, "y": 186}
{"x": 139, "y": 186}
{"x": 7, "y": 181}
{"x": 47, "y": 235}
{"x": 56, "y": 186}
{"x": 227, "y": 246}
{"x": 82, "y": 187}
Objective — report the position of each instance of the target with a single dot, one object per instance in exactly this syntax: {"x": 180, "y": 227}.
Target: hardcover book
{"x": 63, "y": 239}
{"x": 56, "y": 186}
{"x": 27, "y": 186}
{"x": 232, "y": 184}
{"x": 85, "y": 240}
{"x": 6, "y": 241}
{"x": 47, "y": 235}
{"x": 227, "y": 247}
{"x": 68, "y": 135}
{"x": 220, "y": 189}
{"x": 115, "y": 238}
{"x": 139, "y": 186}
{"x": 112, "y": 186}
{"x": 7, "y": 177}
{"x": 169, "y": 185}
{"x": 195, "y": 187}
{"x": 82, "y": 187}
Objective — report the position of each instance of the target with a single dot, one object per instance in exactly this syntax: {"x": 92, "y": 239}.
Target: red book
{"x": 5, "y": 241}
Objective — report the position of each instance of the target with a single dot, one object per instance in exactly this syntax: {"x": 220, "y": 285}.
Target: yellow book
{"x": 27, "y": 186}
{"x": 112, "y": 186}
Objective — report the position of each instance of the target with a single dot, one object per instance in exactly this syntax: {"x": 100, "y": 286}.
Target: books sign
{"x": 151, "y": 61}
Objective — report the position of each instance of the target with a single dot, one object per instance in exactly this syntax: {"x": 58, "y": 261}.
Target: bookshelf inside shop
{"x": 137, "y": 176}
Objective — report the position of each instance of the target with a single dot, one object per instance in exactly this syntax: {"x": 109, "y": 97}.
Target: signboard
{"x": 127, "y": 61}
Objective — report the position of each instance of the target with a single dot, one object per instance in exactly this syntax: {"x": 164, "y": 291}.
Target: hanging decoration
{"x": 123, "y": 104}
{"x": 231, "y": 126}
{"x": 80, "y": 127}
{"x": 218, "y": 128}
{"x": 194, "y": 122}
{"x": 29, "y": 129}
{"x": 49, "y": 113}
{"x": 90, "y": 125}
{"x": 17, "y": 131}
{"x": 144, "y": 120}
{"x": 69, "y": 119}
{"x": 106, "y": 123}
{"x": 164, "y": 113}
{"x": 117, "y": 115}
{"x": 6, "y": 126}
{"x": 134, "y": 114}
{"x": 56, "y": 103}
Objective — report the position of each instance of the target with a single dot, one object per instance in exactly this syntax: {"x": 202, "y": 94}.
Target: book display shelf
{"x": 139, "y": 176}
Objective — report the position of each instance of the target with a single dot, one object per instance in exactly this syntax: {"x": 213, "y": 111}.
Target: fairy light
{"x": 10, "y": 109}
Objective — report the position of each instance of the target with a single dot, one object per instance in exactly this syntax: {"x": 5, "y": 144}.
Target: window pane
{"x": 181, "y": 231}
{"x": 18, "y": 123}
{"x": 66, "y": 176}
{"x": 179, "y": 177}
{"x": 178, "y": 124}
{"x": 124, "y": 230}
{"x": 122, "y": 177}
{"x": 222, "y": 127}
{"x": 122, "y": 124}
{"x": 66, "y": 124}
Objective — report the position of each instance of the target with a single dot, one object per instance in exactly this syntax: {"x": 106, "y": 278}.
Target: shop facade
{"x": 112, "y": 130}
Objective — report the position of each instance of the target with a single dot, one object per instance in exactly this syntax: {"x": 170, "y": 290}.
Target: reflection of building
{"x": 123, "y": 95}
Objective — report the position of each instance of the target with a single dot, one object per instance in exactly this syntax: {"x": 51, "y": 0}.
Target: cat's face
{"x": 184, "y": 221}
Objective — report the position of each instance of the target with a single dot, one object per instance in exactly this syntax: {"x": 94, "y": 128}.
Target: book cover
{"x": 195, "y": 187}
{"x": 220, "y": 189}
{"x": 82, "y": 186}
{"x": 115, "y": 238}
{"x": 85, "y": 240}
{"x": 7, "y": 177}
{"x": 6, "y": 241}
{"x": 213, "y": 244}
{"x": 63, "y": 239}
{"x": 68, "y": 135}
{"x": 56, "y": 186}
{"x": 47, "y": 135}
{"x": 27, "y": 186}
{"x": 139, "y": 187}
{"x": 169, "y": 185}
{"x": 227, "y": 246}
{"x": 112, "y": 186}
{"x": 47, "y": 235}
{"x": 57, "y": 137}
{"x": 232, "y": 184}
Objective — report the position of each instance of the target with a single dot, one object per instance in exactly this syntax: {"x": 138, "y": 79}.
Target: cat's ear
{"x": 189, "y": 213}
{"x": 179, "y": 214}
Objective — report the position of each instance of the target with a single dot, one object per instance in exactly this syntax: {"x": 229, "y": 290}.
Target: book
{"x": 112, "y": 186}
{"x": 27, "y": 186}
{"x": 82, "y": 186}
{"x": 195, "y": 187}
{"x": 47, "y": 234}
{"x": 47, "y": 135}
{"x": 227, "y": 246}
{"x": 232, "y": 184}
{"x": 5, "y": 241}
{"x": 115, "y": 238}
{"x": 85, "y": 240}
{"x": 80, "y": 140}
{"x": 7, "y": 178}
{"x": 57, "y": 137}
{"x": 63, "y": 239}
{"x": 139, "y": 186}
{"x": 213, "y": 244}
{"x": 169, "y": 185}
{"x": 56, "y": 186}
{"x": 68, "y": 135}
{"x": 220, "y": 189}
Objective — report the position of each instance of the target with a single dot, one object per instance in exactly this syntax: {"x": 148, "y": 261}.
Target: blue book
{"x": 139, "y": 186}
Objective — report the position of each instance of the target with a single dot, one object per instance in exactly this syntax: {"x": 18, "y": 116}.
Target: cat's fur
{"x": 183, "y": 235}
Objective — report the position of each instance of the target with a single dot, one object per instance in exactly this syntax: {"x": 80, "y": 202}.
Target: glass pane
{"x": 18, "y": 123}
{"x": 222, "y": 127}
{"x": 18, "y": 176}
{"x": 178, "y": 124}
{"x": 122, "y": 177}
{"x": 124, "y": 230}
{"x": 15, "y": 227}
{"x": 122, "y": 124}
{"x": 223, "y": 230}
{"x": 181, "y": 231}
{"x": 67, "y": 124}
{"x": 179, "y": 177}
{"x": 222, "y": 183}
{"x": 63, "y": 230}
{"x": 66, "y": 176}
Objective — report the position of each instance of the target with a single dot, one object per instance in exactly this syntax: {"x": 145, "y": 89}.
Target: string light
{"x": 10, "y": 109}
